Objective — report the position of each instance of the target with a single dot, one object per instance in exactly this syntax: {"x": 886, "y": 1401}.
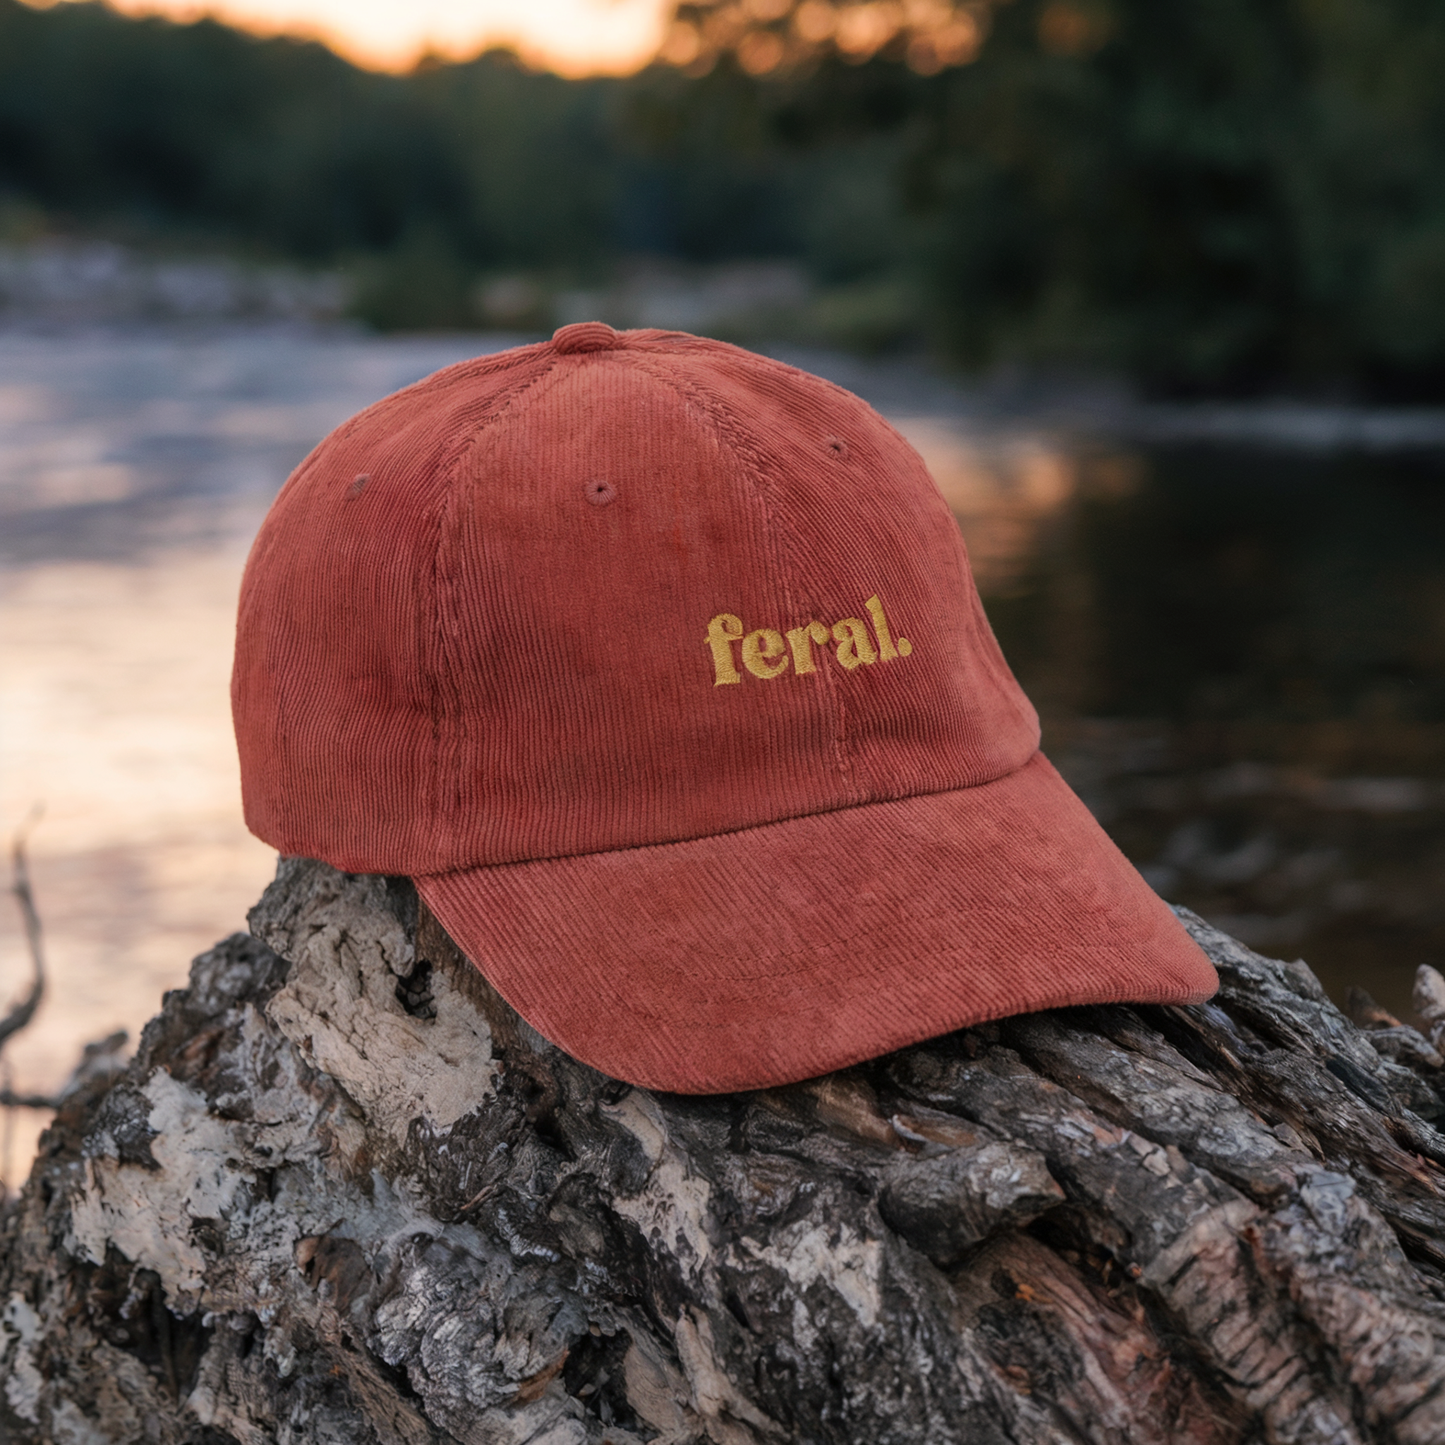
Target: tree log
{"x": 343, "y": 1193}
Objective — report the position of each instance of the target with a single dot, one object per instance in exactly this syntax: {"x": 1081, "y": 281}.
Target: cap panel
{"x": 860, "y": 518}
{"x": 470, "y": 660}
{"x": 333, "y": 689}
{"x": 581, "y": 707}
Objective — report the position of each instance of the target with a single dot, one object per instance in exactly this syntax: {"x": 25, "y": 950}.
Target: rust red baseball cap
{"x": 659, "y": 667}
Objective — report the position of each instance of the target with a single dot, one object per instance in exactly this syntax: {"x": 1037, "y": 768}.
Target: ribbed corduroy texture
{"x": 465, "y": 661}
{"x": 472, "y": 648}
{"x": 790, "y": 950}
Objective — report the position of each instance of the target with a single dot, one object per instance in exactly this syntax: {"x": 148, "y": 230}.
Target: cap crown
{"x": 610, "y": 590}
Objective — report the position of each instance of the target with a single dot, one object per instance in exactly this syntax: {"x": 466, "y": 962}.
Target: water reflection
{"x": 1240, "y": 662}
{"x": 134, "y": 468}
{"x": 1004, "y": 491}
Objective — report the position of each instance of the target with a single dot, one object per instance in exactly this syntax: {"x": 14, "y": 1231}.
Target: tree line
{"x": 1209, "y": 195}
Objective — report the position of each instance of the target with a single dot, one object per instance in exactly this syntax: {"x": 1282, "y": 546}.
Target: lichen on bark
{"x": 343, "y": 1193}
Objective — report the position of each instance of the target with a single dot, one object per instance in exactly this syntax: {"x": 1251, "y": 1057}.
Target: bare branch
{"x": 11, "y": 1100}
{"x": 20, "y": 1016}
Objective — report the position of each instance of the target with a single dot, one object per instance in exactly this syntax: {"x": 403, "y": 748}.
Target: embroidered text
{"x": 768, "y": 653}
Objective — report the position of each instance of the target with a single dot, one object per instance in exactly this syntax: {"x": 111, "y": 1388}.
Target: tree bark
{"x": 343, "y": 1193}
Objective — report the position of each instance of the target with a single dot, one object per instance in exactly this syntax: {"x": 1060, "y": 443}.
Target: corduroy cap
{"x": 659, "y": 667}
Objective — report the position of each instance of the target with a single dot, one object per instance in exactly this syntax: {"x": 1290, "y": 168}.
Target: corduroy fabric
{"x": 463, "y": 661}
{"x": 473, "y": 648}
{"x": 786, "y": 951}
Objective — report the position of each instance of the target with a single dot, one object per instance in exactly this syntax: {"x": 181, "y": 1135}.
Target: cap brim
{"x": 756, "y": 958}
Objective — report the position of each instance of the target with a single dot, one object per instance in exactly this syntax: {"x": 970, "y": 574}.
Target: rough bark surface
{"x": 342, "y": 1193}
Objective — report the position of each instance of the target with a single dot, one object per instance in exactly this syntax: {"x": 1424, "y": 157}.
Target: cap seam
{"x": 744, "y": 828}
{"x": 498, "y": 361}
{"x": 446, "y": 797}
{"x": 508, "y": 360}
{"x": 737, "y": 435}
{"x": 692, "y": 394}
{"x": 991, "y": 653}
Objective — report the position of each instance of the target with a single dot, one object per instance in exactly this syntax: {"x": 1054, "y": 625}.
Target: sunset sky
{"x": 573, "y": 36}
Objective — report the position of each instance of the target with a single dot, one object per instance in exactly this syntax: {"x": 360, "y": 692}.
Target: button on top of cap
{"x": 585, "y": 336}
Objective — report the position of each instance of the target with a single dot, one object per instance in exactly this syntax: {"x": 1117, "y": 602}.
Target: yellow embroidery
{"x": 886, "y": 649}
{"x": 855, "y": 647}
{"x": 759, "y": 648}
{"x": 765, "y": 655}
{"x": 801, "y": 640}
{"x": 722, "y": 632}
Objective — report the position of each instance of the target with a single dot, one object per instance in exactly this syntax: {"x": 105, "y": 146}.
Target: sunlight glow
{"x": 573, "y": 37}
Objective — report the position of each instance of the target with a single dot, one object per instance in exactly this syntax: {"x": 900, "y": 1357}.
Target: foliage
{"x": 286, "y": 146}
{"x": 1208, "y": 194}
{"x": 1213, "y": 194}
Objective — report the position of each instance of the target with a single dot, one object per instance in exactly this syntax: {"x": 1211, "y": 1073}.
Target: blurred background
{"x": 1156, "y": 286}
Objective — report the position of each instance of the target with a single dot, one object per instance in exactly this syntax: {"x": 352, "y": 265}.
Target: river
{"x": 1232, "y": 621}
